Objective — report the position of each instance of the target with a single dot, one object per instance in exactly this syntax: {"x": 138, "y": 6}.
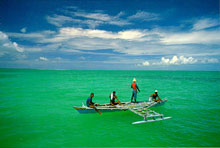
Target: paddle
{"x": 92, "y": 106}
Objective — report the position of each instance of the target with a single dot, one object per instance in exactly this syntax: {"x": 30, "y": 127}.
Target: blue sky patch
{"x": 116, "y": 34}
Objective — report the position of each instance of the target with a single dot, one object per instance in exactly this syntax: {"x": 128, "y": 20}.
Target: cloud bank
{"x": 181, "y": 60}
{"x": 81, "y": 33}
{"x": 8, "y": 47}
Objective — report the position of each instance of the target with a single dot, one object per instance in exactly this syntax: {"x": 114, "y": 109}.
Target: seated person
{"x": 112, "y": 99}
{"x": 89, "y": 100}
{"x": 91, "y": 104}
{"x": 155, "y": 96}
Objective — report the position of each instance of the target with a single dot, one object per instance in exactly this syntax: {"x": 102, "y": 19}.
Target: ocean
{"x": 36, "y": 109}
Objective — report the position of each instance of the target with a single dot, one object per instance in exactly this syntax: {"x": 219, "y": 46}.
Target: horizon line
{"x": 108, "y": 69}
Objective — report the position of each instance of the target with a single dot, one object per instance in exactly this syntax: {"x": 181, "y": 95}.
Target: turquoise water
{"x": 36, "y": 109}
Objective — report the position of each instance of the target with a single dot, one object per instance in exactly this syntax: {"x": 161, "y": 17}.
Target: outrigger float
{"x": 140, "y": 108}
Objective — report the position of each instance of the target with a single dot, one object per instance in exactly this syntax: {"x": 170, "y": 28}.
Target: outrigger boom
{"x": 141, "y": 109}
{"x": 147, "y": 114}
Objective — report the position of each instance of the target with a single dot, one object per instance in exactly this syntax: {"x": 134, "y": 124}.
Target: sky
{"x": 110, "y": 34}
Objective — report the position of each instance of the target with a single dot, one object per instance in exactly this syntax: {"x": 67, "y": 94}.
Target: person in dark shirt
{"x": 91, "y": 104}
{"x": 89, "y": 100}
{"x": 155, "y": 96}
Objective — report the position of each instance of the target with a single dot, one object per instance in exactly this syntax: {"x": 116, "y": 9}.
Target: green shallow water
{"x": 36, "y": 109}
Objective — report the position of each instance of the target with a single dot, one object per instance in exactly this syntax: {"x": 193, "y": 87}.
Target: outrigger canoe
{"x": 109, "y": 108}
{"x": 140, "y": 108}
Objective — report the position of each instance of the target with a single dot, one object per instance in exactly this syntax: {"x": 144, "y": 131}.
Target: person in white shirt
{"x": 112, "y": 99}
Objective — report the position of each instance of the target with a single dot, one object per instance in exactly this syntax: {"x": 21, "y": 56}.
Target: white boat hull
{"x": 86, "y": 110}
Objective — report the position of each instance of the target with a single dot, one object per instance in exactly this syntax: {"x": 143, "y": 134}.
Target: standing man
{"x": 89, "y": 103}
{"x": 134, "y": 92}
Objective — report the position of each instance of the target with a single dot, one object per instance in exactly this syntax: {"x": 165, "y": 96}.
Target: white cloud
{"x": 163, "y": 61}
{"x": 19, "y": 49}
{"x": 145, "y": 63}
{"x": 157, "y": 41}
{"x": 23, "y": 30}
{"x": 73, "y": 33}
{"x": 8, "y": 47}
{"x": 212, "y": 60}
{"x": 104, "y": 18}
{"x": 79, "y": 32}
{"x": 82, "y": 58}
{"x": 59, "y": 20}
{"x": 189, "y": 60}
{"x": 13, "y": 45}
{"x": 175, "y": 60}
{"x": 89, "y": 19}
{"x": 181, "y": 60}
{"x": 144, "y": 16}
{"x": 205, "y": 23}
{"x": 3, "y": 36}
{"x": 133, "y": 42}
{"x": 43, "y": 59}
{"x": 195, "y": 37}
{"x": 97, "y": 16}
{"x": 209, "y": 61}
{"x": 92, "y": 23}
